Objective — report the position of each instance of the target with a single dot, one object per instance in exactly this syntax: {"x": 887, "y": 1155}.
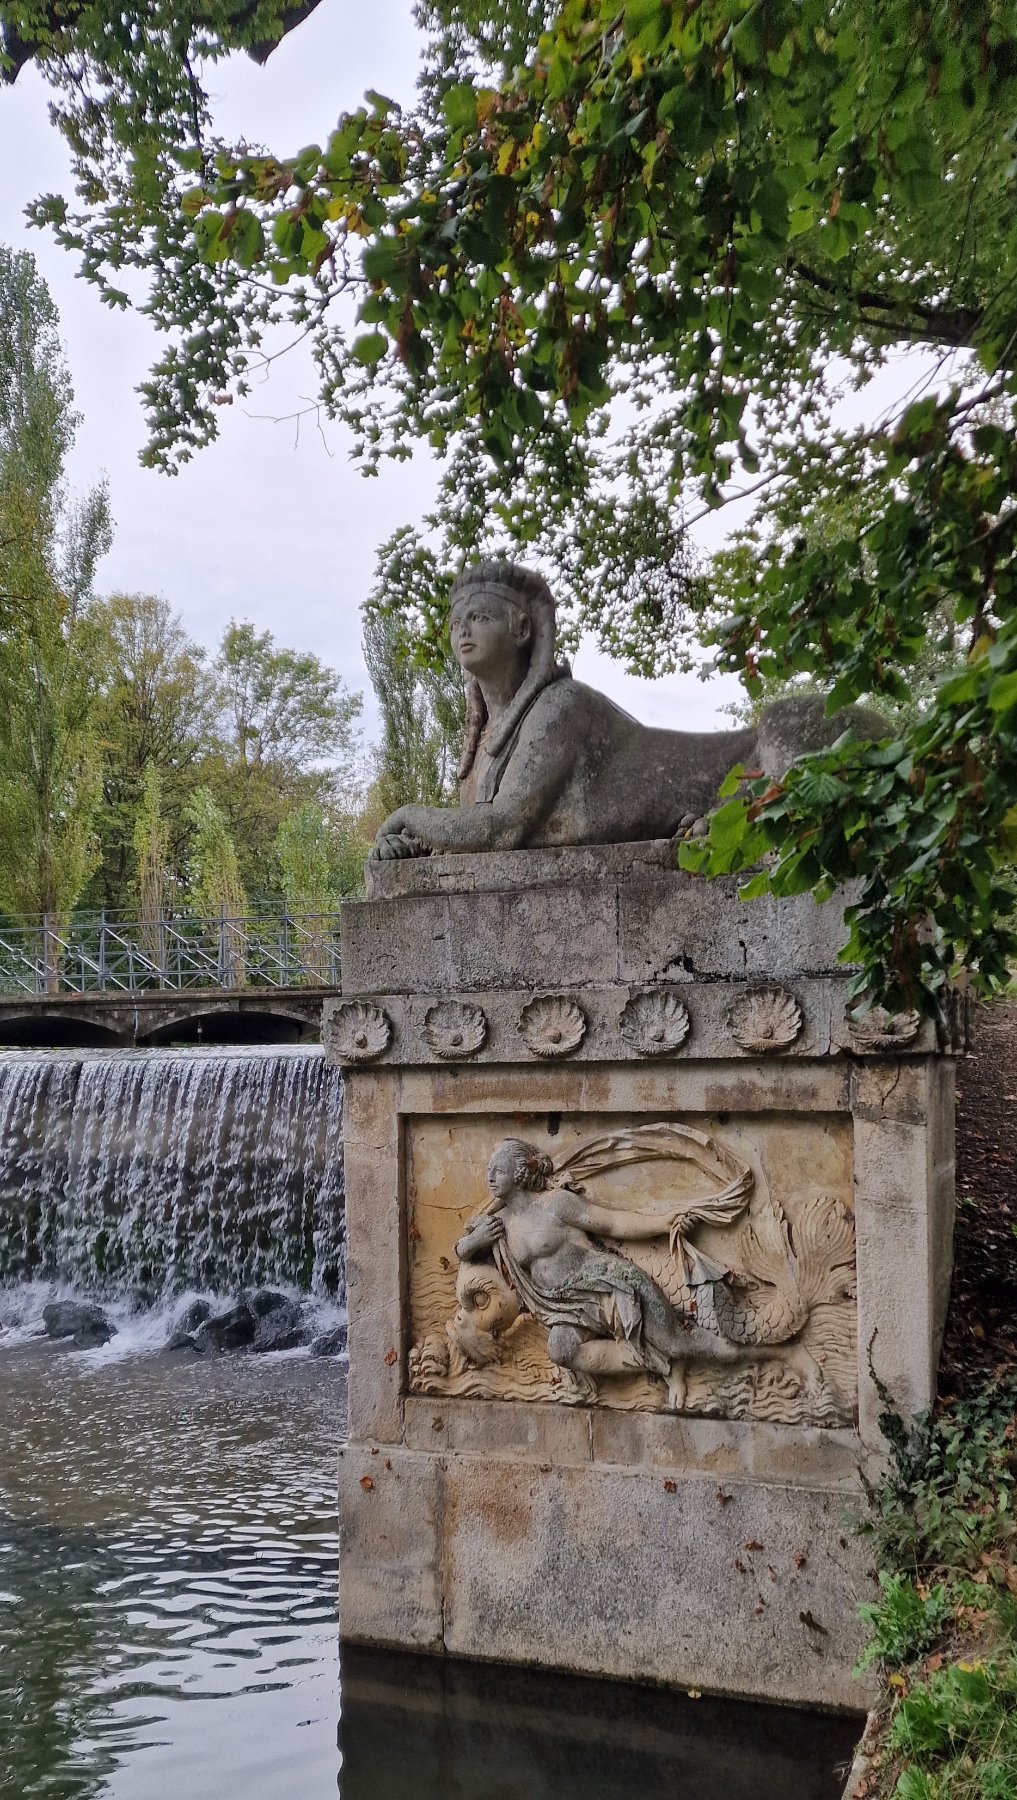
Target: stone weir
{"x": 640, "y": 1224}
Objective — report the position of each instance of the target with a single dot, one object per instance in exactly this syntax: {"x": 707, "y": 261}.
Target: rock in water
{"x": 330, "y": 1343}
{"x": 192, "y": 1316}
{"x": 80, "y": 1320}
{"x": 230, "y": 1330}
{"x": 278, "y": 1327}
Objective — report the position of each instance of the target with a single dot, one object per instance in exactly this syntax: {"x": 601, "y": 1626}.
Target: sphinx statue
{"x": 549, "y": 761}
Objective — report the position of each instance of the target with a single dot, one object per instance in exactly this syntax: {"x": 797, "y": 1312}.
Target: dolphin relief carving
{"x": 564, "y": 1295}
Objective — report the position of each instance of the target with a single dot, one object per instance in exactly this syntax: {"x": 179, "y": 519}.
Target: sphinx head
{"x": 502, "y": 630}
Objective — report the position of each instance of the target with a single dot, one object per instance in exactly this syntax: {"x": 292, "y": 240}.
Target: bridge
{"x": 102, "y": 980}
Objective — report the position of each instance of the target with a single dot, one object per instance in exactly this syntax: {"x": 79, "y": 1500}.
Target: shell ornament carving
{"x": 455, "y": 1029}
{"x": 553, "y": 1025}
{"x": 360, "y": 1032}
{"x": 766, "y": 1021}
{"x": 879, "y": 1030}
{"x": 655, "y": 1024}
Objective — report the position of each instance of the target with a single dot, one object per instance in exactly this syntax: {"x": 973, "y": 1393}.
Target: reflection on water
{"x": 167, "y": 1627}
{"x": 167, "y": 1578}
{"x": 417, "y": 1729}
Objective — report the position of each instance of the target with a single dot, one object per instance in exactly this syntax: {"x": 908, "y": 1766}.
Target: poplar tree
{"x": 50, "y": 543}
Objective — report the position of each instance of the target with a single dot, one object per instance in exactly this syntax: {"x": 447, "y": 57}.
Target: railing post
{"x": 102, "y": 950}
{"x": 49, "y": 954}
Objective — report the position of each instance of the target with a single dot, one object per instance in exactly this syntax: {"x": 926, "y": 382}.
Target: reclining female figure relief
{"x": 549, "y": 761}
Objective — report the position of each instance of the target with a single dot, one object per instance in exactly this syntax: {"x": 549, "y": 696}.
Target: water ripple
{"x": 168, "y": 1575}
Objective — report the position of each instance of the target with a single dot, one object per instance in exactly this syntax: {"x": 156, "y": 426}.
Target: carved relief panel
{"x": 682, "y": 1265}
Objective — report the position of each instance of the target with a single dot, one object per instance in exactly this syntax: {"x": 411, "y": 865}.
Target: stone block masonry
{"x": 636, "y": 1212}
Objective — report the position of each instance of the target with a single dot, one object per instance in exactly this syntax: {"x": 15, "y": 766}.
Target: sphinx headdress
{"x": 531, "y": 594}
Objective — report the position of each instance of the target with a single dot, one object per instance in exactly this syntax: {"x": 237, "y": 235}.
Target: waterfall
{"x": 170, "y": 1169}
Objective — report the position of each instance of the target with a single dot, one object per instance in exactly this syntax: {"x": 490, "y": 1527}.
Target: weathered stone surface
{"x": 700, "y": 1580}
{"x": 374, "y": 1256}
{"x": 540, "y": 1433}
{"x": 507, "y": 870}
{"x": 677, "y": 927}
{"x": 391, "y": 1574}
{"x": 803, "y": 1455}
{"x": 904, "y": 1214}
{"x": 609, "y": 1533}
{"x": 558, "y": 1557}
{"x": 645, "y": 925}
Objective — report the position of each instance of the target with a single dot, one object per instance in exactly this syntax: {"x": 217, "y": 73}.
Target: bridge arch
{"x": 225, "y": 1024}
{"x": 32, "y": 1029}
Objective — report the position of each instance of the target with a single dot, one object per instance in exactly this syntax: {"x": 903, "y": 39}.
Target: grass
{"x": 944, "y": 1629}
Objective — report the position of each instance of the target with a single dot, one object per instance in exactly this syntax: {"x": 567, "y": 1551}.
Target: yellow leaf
{"x": 507, "y": 156}
{"x": 897, "y": 1681}
{"x": 638, "y": 64}
{"x": 980, "y": 647}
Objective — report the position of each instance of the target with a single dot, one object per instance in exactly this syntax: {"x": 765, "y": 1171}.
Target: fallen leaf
{"x": 366, "y": 1483}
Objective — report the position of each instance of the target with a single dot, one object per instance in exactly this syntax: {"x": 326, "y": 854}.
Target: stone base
{"x": 491, "y": 1505}
{"x": 702, "y": 1579}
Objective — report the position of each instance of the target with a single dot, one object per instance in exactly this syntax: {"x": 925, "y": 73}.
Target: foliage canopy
{"x": 609, "y": 264}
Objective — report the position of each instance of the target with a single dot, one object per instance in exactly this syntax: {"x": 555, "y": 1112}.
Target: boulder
{"x": 192, "y": 1316}
{"x": 80, "y": 1320}
{"x": 279, "y": 1329}
{"x": 180, "y": 1340}
{"x": 230, "y": 1330}
{"x": 267, "y": 1300}
{"x": 330, "y": 1343}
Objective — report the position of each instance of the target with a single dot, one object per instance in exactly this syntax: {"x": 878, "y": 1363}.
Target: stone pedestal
{"x": 666, "y": 1046}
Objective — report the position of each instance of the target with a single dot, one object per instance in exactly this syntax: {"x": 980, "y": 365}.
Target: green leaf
{"x": 757, "y": 887}
{"x": 459, "y": 104}
{"x": 369, "y": 348}
{"x": 729, "y": 824}
{"x": 1003, "y": 693}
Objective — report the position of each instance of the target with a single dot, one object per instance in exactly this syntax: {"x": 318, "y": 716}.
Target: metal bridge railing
{"x": 97, "y": 953}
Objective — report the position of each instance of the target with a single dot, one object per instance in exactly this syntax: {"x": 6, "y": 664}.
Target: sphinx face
{"x": 489, "y": 635}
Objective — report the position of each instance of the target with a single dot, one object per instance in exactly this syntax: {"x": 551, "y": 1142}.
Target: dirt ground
{"x": 981, "y": 1338}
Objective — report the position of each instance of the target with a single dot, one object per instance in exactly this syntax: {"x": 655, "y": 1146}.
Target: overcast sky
{"x": 263, "y": 525}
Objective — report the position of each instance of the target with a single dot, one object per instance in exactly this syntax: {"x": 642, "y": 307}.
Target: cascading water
{"x": 168, "y": 1170}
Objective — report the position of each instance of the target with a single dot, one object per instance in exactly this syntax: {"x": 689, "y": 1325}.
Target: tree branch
{"x": 919, "y": 319}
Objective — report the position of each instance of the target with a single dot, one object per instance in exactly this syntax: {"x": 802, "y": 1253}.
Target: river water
{"x": 167, "y": 1522}
{"x": 168, "y": 1625}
